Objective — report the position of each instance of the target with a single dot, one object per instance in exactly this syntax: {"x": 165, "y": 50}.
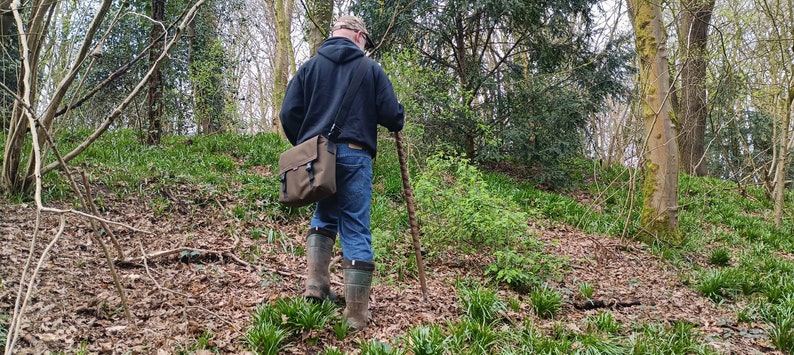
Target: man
{"x": 311, "y": 102}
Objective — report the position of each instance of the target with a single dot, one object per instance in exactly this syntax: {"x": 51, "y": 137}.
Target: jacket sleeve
{"x": 293, "y": 110}
{"x": 391, "y": 113}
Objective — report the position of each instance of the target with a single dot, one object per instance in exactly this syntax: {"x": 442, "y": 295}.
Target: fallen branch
{"x": 236, "y": 328}
{"x": 220, "y": 254}
{"x": 164, "y": 253}
{"x": 291, "y": 274}
{"x": 161, "y": 288}
{"x": 595, "y": 304}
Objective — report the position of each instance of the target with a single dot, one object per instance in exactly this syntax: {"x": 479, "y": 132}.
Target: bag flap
{"x": 298, "y": 155}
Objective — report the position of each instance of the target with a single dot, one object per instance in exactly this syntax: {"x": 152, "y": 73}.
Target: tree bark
{"x": 11, "y": 180}
{"x": 786, "y": 139}
{"x": 659, "y": 218}
{"x": 155, "y": 93}
{"x": 320, "y": 15}
{"x": 282, "y": 11}
{"x": 693, "y": 37}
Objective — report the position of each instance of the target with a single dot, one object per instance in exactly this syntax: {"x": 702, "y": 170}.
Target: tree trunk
{"x": 12, "y": 179}
{"x": 786, "y": 139}
{"x": 282, "y": 11}
{"x": 206, "y": 58}
{"x": 659, "y": 218}
{"x": 155, "y": 94}
{"x": 693, "y": 36}
{"x": 321, "y": 14}
{"x": 8, "y": 62}
{"x": 782, "y": 159}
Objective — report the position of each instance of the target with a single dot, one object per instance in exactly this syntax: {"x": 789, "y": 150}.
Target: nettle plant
{"x": 456, "y": 207}
{"x": 524, "y": 268}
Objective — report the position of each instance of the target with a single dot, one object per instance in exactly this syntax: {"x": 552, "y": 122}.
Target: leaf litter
{"x": 176, "y": 298}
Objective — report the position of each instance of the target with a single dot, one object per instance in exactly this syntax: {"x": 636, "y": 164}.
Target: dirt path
{"x": 173, "y": 299}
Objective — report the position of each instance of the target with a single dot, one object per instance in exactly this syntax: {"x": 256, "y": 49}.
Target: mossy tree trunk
{"x": 207, "y": 63}
{"x": 659, "y": 219}
{"x": 155, "y": 94}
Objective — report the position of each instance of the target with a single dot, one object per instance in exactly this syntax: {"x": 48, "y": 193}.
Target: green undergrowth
{"x": 196, "y": 170}
{"x": 483, "y": 327}
{"x": 732, "y": 254}
{"x": 732, "y": 251}
{"x": 3, "y": 329}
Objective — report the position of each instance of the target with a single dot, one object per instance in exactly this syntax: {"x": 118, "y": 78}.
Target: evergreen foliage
{"x": 529, "y": 103}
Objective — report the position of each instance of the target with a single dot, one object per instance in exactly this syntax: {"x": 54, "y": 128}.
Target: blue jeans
{"x": 347, "y": 211}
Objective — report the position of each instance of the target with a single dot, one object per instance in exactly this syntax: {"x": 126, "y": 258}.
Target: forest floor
{"x": 173, "y": 300}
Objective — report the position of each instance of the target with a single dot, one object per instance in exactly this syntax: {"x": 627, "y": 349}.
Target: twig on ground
{"x": 237, "y": 259}
{"x": 291, "y": 274}
{"x": 159, "y": 287}
{"x": 180, "y": 250}
{"x": 219, "y": 254}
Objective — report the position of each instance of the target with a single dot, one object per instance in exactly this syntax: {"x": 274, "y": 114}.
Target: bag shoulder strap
{"x": 355, "y": 83}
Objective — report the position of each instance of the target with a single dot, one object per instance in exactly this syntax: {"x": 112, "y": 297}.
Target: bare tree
{"x": 31, "y": 37}
{"x": 41, "y": 128}
{"x": 779, "y": 13}
{"x": 34, "y": 25}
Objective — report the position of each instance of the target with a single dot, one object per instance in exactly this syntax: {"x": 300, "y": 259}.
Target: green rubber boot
{"x": 319, "y": 248}
{"x": 358, "y": 283}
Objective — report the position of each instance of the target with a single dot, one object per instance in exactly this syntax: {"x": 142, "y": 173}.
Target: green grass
{"x": 605, "y": 322}
{"x": 202, "y": 342}
{"x": 586, "y": 290}
{"x": 680, "y": 338}
{"x": 3, "y": 329}
{"x": 720, "y": 257}
{"x": 546, "y": 302}
{"x": 481, "y": 304}
{"x": 427, "y": 340}
{"x": 275, "y": 325}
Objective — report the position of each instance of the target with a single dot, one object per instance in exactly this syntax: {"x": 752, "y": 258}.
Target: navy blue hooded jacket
{"x": 315, "y": 94}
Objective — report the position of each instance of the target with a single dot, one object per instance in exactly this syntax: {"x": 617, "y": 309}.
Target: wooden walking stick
{"x": 408, "y": 193}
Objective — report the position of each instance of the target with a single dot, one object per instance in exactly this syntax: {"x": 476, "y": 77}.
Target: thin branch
{"x": 123, "y": 105}
{"x": 16, "y": 319}
{"x": 110, "y": 78}
{"x": 66, "y": 82}
{"x": 87, "y": 215}
{"x": 89, "y": 200}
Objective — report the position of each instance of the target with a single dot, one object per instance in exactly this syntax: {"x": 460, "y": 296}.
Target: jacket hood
{"x": 340, "y": 50}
